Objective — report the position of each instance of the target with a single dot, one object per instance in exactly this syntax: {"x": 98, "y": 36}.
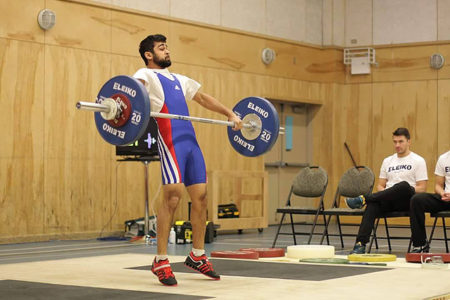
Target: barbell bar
{"x": 108, "y": 108}
{"x": 122, "y": 112}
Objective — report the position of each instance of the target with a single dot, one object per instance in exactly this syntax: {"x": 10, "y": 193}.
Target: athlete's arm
{"x": 439, "y": 188}
{"x": 381, "y": 184}
{"x": 211, "y": 103}
{"x": 421, "y": 186}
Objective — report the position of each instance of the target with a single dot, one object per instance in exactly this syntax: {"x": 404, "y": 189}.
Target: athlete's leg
{"x": 197, "y": 193}
{"x": 171, "y": 198}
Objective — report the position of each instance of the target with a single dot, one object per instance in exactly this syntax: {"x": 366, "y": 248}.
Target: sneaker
{"x": 421, "y": 249}
{"x": 202, "y": 265}
{"x": 359, "y": 248}
{"x": 354, "y": 203}
{"x": 163, "y": 270}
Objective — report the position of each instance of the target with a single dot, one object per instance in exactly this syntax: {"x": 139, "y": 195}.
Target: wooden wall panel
{"x": 21, "y": 99}
{"x": 128, "y": 30}
{"x": 409, "y": 104}
{"x": 27, "y": 28}
{"x": 322, "y": 124}
{"x": 352, "y": 111}
{"x": 305, "y": 63}
{"x": 443, "y": 117}
{"x": 80, "y": 26}
{"x": 21, "y": 150}
{"x": 76, "y": 75}
{"x": 78, "y": 169}
{"x": 444, "y": 72}
{"x": 215, "y": 48}
{"x": 21, "y": 203}
{"x": 351, "y": 114}
{"x": 404, "y": 63}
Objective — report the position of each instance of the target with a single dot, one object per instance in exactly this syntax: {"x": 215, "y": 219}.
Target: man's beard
{"x": 163, "y": 63}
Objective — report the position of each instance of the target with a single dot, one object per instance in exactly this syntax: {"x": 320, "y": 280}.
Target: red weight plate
{"x": 266, "y": 252}
{"x": 235, "y": 254}
{"x": 124, "y": 104}
{"x": 416, "y": 257}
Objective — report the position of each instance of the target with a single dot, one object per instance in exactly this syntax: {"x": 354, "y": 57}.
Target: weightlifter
{"x": 182, "y": 163}
{"x": 401, "y": 176}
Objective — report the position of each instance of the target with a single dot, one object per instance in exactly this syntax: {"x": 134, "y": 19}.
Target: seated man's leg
{"x": 421, "y": 203}
{"x": 366, "y": 227}
{"x": 395, "y": 198}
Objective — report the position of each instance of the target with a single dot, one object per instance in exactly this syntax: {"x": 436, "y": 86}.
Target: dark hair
{"x": 402, "y": 131}
{"x": 148, "y": 44}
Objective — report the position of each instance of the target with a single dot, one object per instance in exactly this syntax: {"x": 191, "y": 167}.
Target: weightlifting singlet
{"x": 181, "y": 158}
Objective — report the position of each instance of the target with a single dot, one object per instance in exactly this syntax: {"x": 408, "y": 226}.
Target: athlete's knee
{"x": 200, "y": 201}
{"x": 171, "y": 201}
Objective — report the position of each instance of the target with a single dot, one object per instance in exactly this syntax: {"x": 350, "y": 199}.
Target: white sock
{"x": 198, "y": 252}
{"x": 161, "y": 257}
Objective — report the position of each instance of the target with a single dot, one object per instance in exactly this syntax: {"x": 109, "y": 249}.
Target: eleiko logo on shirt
{"x": 447, "y": 169}
{"x": 400, "y": 167}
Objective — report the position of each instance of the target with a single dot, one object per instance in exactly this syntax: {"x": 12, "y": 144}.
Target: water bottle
{"x": 172, "y": 236}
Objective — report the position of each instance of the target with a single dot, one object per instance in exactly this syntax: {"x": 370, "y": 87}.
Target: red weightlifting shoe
{"x": 202, "y": 265}
{"x": 163, "y": 270}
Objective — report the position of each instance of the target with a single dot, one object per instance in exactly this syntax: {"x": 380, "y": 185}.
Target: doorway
{"x": 291, "y": 152}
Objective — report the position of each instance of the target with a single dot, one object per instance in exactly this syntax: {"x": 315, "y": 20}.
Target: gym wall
{"x": 58, "y": 179}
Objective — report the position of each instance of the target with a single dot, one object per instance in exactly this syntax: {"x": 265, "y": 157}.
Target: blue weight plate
{"x": 139, "y": 115}
{"x": 269, "y": 122}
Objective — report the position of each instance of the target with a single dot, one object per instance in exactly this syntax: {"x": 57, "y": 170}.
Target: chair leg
{"x": 387, "y": 234}
{"x": 328, "y": 236}
{"x": 312, "y": 228}
{"x": 293, "y": 231}
{"x": 410, "y": 243}
{"x": 374, "y": 236}
{"x": 445, "y": 234}
{"x": 278, "y": 231}
{"x": 325, "y": 231}
{"x": 432, "y": 230}
{"x": 340, "y": 231}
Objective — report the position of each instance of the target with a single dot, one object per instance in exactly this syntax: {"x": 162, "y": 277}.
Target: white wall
{"x": 378, "y": 22}
{"x": 346, "y": 23}
{"x": 298, "y": 20}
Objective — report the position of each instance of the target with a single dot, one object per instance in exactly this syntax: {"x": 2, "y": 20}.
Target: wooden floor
{"x": 108, "y": 265}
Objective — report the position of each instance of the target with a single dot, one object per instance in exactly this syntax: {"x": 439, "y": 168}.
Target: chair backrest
{"x": 310, "y": 182}
{"x": 356, "y": 181}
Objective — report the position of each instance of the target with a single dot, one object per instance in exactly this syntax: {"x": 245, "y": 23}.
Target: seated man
{"x": 426, "y": 202}
{"x": 401, "y": 176}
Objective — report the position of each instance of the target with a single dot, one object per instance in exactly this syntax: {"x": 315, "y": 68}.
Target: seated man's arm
{"x": 381, "y": 184}
{"x": 421, "y": 186}
{"x": 439, "y": 188}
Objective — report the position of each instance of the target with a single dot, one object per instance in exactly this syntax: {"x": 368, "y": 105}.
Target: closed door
{"x": 291, "y": 152}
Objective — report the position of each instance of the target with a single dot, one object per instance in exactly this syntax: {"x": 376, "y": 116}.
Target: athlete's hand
{"x": 237, "y": 122}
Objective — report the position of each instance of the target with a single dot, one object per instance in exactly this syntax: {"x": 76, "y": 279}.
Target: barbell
{"x": 122, "y": 112}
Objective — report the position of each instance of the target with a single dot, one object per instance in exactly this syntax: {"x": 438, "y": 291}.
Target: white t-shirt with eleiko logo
{"x": 443, "y": 169}
{"x": 410, "y": 168}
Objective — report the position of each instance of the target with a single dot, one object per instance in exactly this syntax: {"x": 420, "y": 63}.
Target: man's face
{"x": 161, "y": 57}
{"x": 401, "y": 144}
